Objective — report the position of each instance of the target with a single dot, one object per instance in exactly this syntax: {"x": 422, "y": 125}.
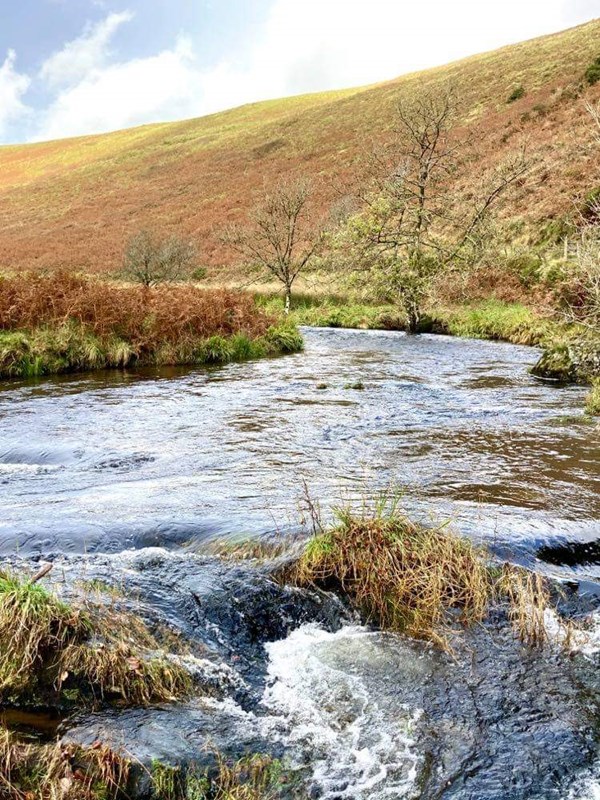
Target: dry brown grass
{"x": 30, "y": 771}
{"x": 145, "y": 317}
{"x": 418, "y": 580}
{"x": 50, "y": 651}
{"x": 529, "y": 598}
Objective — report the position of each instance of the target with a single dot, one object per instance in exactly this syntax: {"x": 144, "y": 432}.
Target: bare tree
{"x": 415, "y": 223}
{"x": 281, "y": 238}
{"x": 150, "y": 260}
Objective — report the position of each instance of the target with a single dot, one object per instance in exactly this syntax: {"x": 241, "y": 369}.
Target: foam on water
{"x": 332, "y": 708}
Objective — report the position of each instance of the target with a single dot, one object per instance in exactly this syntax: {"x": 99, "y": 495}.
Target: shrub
{"x": 592, "y": 73}
{"x": 517, "y": 93}
{"x": 150, "y": 260}
{"x": 199, "y": 274}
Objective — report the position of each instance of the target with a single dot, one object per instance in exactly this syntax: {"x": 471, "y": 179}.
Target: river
{"x": 127, "y": 477}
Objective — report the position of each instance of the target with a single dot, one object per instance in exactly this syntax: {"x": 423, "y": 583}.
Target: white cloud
{"x": 89, "y": 51}
{"x": 123, "y": 95}
{"x": 13, "y": 86}
{"x": 304, "y": 45}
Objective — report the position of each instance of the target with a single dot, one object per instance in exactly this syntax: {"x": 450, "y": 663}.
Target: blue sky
{"x": 71, "y": 67}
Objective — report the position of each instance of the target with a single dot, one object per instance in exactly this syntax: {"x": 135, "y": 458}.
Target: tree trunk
{"x": 288, "y": 299}
{"x": 413, "y": 317}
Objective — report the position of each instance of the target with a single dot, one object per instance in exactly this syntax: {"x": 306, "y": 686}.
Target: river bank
{"x": 62, "y": 322}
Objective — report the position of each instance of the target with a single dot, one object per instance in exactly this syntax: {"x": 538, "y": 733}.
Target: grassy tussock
{"x": 61, "y": 322}
{"x": 400, "y": 575}
{"x": 52, "y": 653}
{"x": 592, "y": 401}
{"x": 416, "y": 580}
{"x": 254, "y": 777}
{"x": 30, "y": 771}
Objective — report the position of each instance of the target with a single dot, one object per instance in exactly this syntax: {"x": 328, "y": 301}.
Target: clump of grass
{"x": 357, "y": 386}
{"x": 417, "y": 580}
{"x": 31, "y": 771}
{"x": 284, "y": 338}
{"x": 34, "y": 627}
{"x": 529, "y": 599}
{"x": 167, "y": 781}
{"x": 254, "y": 777}
{"x": 402, "y": 576}
{"x": 53, "y": 653}
{"x": 249, "y": 549}
{"x": 592, "y": 401}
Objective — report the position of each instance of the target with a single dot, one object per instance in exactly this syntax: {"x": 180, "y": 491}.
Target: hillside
{"x": 75, "y": 202}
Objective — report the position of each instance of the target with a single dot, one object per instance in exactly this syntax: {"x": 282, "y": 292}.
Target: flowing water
{"x": 108, "y": 460}
{"x": 161, "y": 462}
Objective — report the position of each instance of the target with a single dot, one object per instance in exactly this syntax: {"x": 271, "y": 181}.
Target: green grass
{"x": 489, "y": 319}
{"x": 53, "y": 653}
{"x": 493, "y": 319}
{"x": 69, "y": 348}
{"x": 592, "y": 402}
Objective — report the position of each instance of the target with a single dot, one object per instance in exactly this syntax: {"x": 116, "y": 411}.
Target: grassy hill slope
{"x": 75, "y": 202}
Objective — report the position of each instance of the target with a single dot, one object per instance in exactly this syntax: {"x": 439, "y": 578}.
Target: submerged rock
{"x": 352, "y": 713}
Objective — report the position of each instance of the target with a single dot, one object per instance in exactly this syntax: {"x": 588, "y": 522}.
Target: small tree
{"x": 150, "y": 260}
{"x": 281, "y": 239}
{"x": 415, "y": 222}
